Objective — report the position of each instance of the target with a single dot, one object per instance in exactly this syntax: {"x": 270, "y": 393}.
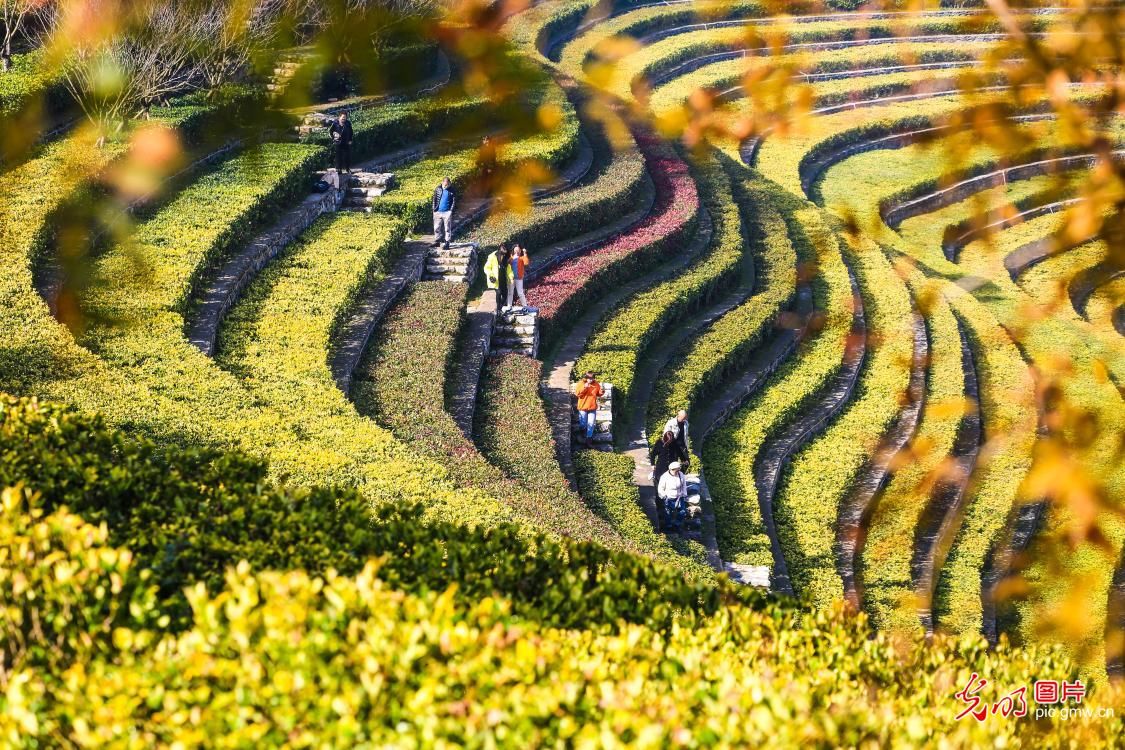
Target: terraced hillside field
{"x": 878, "y": 339}
{"x": 874, "y": 253}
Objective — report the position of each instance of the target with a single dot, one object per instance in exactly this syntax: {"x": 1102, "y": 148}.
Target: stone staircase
{"x": 603, "y": 421}
{"x": 364, "y": 187}
{"x": 516, "y": 332}
{"x": 456, "y": 264}
{"x": 283, "y": 72}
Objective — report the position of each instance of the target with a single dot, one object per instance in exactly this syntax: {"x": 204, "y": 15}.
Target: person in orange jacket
{"x": 517, "y": 268}
{"x": 588, "y": 391}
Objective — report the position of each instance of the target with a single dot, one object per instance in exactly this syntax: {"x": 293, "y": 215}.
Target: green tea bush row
{"x": 888, "y": 593}
{"x": 726, "y": 74}
{"x": 665, "y": 55}
{"x": 624, "y": 335}
{"x": 820, "y": 474}
{"x": 400, "y": 384}
{"x": 390, "y": 126}
{"x": 29, "y": 79}
{"x": 533, "y": 29}
{"x": 513, "y": 433}
{"x": 190, "y": 515}
{"x": 550, "y": 147}
{"x": 1081, "y": 579}
{"x": 276, "y": 341}
{"x": 729, "y": 456}
{"x": 283, "y": 658}
{"x": 137, "y": 330}
{"x": 147, "y": 378}
{"x": 646, "y": 20}
{"x": 1009, "y": 413}
{"x": 1009, "y": 419}
{"x": 936, "y": 113}
{"x": 612, "y": 193}
{"x": 706, "y": 361}
{"x": 605, "y": 481}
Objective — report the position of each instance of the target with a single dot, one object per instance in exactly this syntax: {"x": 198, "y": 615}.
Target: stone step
{"x": 501, "y": 340}
{"x": 453, "y": 253}
{"x": 371, "y": 180}
{"x": 457, "y": 264}
{"x": 529, "y": 351}
{"x": 438, "y": 267}
{"x": 521, "y": 330}
{"x": 366, "y": 192}
{"x": 748, "y": 575}
{"x": 601, "y": 424}
{"x": 449, "y": 278}
{"x": 526, "y": 319}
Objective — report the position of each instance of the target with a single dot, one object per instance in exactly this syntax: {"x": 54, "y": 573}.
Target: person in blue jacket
{"x": 445, "y": 201}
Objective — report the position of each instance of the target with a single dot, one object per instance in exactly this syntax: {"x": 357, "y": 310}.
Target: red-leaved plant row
{"x": 669, "y": 227}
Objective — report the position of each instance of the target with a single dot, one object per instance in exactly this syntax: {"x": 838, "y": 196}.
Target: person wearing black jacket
{"x": 666, "y": 451}
{"x": 342, "y": 135}
{"x": 445, "y": 200}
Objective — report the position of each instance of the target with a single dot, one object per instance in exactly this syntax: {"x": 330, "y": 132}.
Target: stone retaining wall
{"x": 223, "y": 290}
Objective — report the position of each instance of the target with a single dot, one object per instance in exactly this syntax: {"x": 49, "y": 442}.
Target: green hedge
{"x": 730, "y": 73}
{"x": 32, "y": 83}
{"x": 281, "y": 659}
{"x": 137, "y": 330}
{"x": 190, "y": 515}
{"x": 622, "y": 337}
{"x": 819, "y": 476}
{"x": 722, "y": 351}
{"x": 605, "y": 481}
{"x": 729, "y": 456}
{"x": 391, "y": 126}
{"x": 401, "y": 384}
{"x": 884, "y": 561}
{"x": 612, "y": 192}
{"x": 276, "y": 341}
{"x": 669, "y": 53}
{"x": 550, "y": 147}
{"x": 513, "y": 433}
{"x": 646, "y": 20}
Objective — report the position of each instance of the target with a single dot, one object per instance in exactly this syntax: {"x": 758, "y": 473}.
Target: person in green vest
{"x": 492, "y": 265}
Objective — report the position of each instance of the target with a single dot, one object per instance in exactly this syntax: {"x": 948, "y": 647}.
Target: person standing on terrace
{"x": 492, "y": 266}
{"x": 663, "y": 454}
{"x": 517, "y": 268}
{"x": 678, "y": 426}
{"x": 342, "y": 136}
{"x": 588, "y": 391}
{"x": 673, "y": 491}
{"x": 445, "y": 200}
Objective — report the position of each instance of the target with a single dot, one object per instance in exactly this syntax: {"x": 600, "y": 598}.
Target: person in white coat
{"x": 672, "y": 490}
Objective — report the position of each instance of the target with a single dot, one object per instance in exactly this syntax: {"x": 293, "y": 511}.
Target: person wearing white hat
{"x": 672, "y": 489}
